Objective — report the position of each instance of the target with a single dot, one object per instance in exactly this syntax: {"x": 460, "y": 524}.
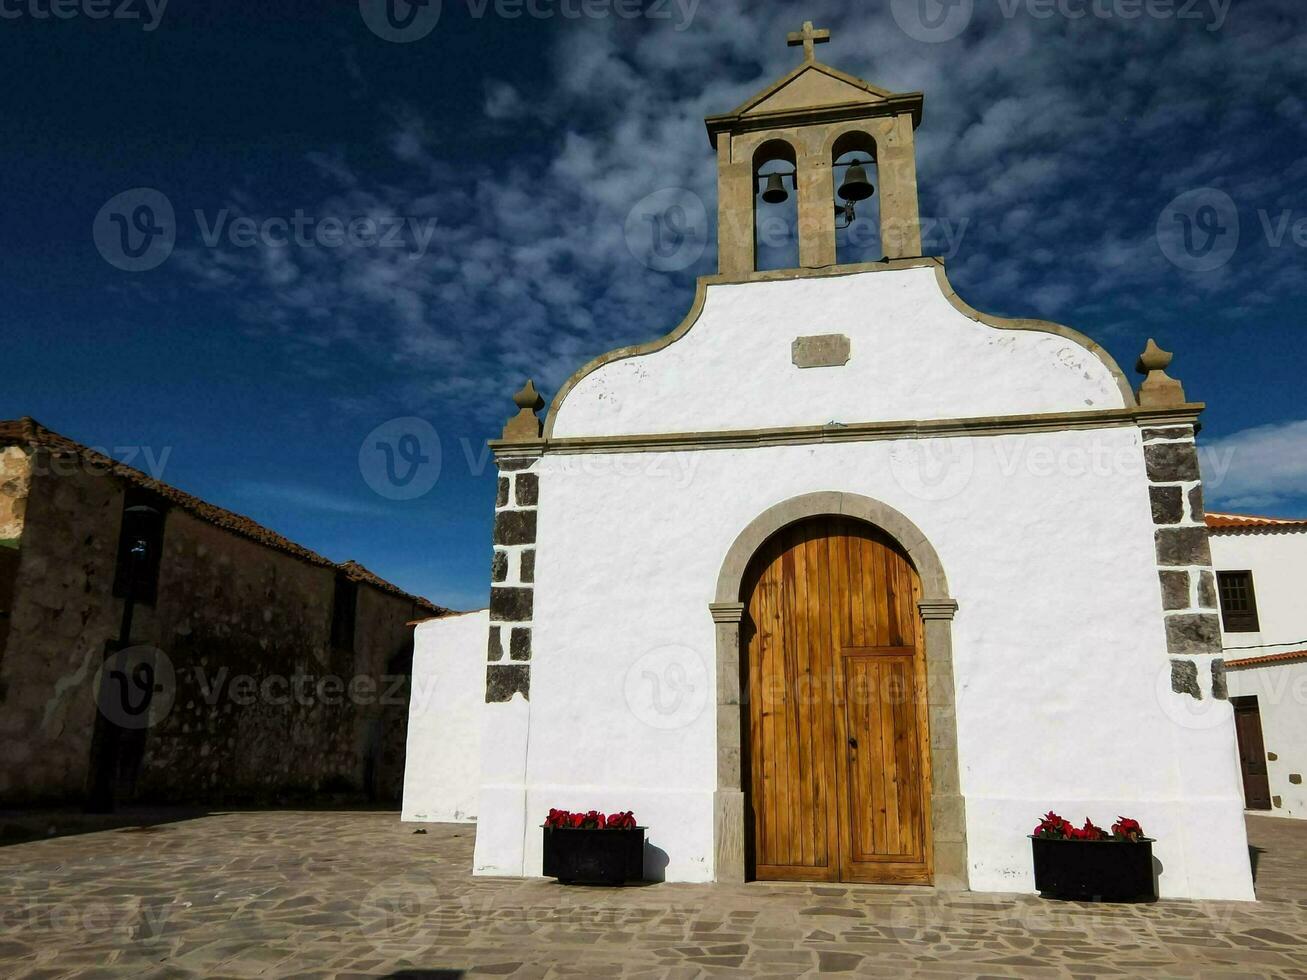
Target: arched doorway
{"x": 836, "y": 762}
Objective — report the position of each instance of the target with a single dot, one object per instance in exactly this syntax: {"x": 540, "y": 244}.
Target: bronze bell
{"x": 856, "y": 186}
{"x": 775, "y": 192}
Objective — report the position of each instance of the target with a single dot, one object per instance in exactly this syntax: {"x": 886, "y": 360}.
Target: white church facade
{"x": 843, "y": 580}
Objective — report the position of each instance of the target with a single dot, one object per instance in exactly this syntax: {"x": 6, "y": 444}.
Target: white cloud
{"x": 1262, "y": 467}
{"x": 267, "y": 494}
{"x": 502, "y": 101}
{"x": 528, "y": 271}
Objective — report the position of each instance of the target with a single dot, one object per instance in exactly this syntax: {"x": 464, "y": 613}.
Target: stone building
{"x": 253, "y": 668}
{"x": 845, "y": 580}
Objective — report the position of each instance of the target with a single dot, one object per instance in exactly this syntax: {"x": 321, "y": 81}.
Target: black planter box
{"x": 1088, "y": 870}
{"x": 594, "y": 857}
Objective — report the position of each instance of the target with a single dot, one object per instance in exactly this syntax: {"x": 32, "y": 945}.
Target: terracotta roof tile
{"x": 1268, "y": 660}
{"x": 29, "y": 433}
{"x": 1253, "y": 523}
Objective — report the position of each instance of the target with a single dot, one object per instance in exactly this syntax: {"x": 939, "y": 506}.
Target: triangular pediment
{"x": 812, "y": 85}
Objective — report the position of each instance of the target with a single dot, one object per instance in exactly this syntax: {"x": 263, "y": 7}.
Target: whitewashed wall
{"x": 1281, "y": 693}
{"x": 442, "y": 769}
{"x": 914, "y": 356}
{"x": 1062, "y": 674}
{"x": 1279, "y": 566}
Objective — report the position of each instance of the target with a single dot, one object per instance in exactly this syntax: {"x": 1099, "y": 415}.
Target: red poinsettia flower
{"x": 592, "y": 820}
{"x": 1127, "y": 829}
{"x": 1088, "y": 832}
{"x": 1051, "y": 825}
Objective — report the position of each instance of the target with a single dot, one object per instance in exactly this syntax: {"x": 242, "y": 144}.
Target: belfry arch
{"x": 862, "y": 238}
{"x": 775, "y": 222}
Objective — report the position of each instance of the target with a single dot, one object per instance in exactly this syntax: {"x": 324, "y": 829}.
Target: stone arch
{"x": 948, "y": 818}
{"x": 854, "y": 140}
{"x": 772, "y": 149}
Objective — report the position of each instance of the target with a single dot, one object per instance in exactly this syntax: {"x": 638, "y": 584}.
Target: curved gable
{"x": 915, "y": 352}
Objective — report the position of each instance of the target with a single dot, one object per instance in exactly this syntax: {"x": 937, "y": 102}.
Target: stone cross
{"x": 809, "y": 38}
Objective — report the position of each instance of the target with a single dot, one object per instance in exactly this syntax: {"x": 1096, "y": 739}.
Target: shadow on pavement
{"x": 24, "y": 826}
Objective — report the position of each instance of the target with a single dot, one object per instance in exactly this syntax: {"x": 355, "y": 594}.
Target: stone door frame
{"x": 948, "y": 813}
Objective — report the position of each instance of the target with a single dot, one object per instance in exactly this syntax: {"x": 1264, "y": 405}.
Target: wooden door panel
{"x": 831, "y": 609}
{"x": 791, "y": 720}
{"x": 886, "y": 809}
{"x": 1252, "y": 753}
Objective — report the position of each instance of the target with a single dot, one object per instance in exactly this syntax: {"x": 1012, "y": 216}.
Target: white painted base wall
{"x": 1060, "y": 659}
{"x": 442, "y": 771}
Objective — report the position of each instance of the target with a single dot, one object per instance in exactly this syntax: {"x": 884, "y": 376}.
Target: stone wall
{"x": 61, "y": 620}
{"x": 512, "y": 574}
{"x": 1184, "y": 559}
{"x": 15, "y": 474}
{"x": 263, "y": 708}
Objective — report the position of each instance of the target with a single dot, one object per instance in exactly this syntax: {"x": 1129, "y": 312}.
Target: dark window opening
{"x": 8, "y": 585}
{"x": 140, "y": 547}
{"x": 343, "y": 605}
{"x": 1238, "y": 602}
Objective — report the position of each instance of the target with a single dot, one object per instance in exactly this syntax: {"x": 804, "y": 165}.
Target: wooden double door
{"x": 837, "y": 748}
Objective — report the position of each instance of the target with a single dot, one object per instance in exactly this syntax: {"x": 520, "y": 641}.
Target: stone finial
{"x": 525, "y": 425}
{"x": 1159, "y": 389}
{"x": 1153, "y": 358}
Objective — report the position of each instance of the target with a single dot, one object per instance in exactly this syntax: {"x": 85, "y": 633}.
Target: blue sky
{"x": 491, "y": 166}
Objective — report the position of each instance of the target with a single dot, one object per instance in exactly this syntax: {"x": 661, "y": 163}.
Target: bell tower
{"x": 806, "y": 122}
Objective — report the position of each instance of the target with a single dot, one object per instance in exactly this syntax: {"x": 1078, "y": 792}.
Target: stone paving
{"x": 282, "y": 894}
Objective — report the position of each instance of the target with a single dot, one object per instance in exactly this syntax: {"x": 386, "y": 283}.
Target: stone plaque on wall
{"x": 827, "y": 350}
